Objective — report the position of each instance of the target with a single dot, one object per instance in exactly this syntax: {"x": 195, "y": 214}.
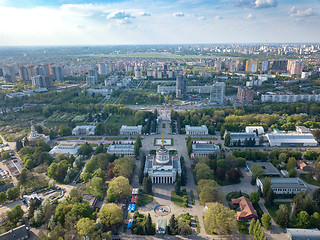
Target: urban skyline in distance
{"x": 131, "y": 22}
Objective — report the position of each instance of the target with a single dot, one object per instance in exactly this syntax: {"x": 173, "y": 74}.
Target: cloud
{"x": 302, "y": 14}
{"x": 255, "y": 3}
{"x": 202, "y": 18}
{"x": 124, "y": 21}
{"x": 218, "y": 17}
{"x": 178, "y": 14}
{"x": 265, "y": 3}
{"x": 144, "y": 14}
{"x": 119, "y": 15}
{"x": 250, "y": 16}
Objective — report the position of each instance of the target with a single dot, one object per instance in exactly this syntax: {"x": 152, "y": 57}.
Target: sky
{"x": 125, "y": 22}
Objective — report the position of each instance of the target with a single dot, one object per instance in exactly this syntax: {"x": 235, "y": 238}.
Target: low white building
{"x": 65, "y": 148}
{"x": 287, "y": 98}
{"x": 303, "y": 234}
{"x": 84, "y": 130}
{"x": 242, "y": 136}
{"x": 196, "y": 130}
{"x": 130, "y": 130}
{"x": 291, "y": 140}
{"x": 204, "y": 149}
{"x": 254, "y": 129}
{"x": 284, "y": 185}
{"x": 121, "y": 149}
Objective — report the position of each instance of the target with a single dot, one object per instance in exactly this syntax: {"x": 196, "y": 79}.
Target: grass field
{"x": 119, "y": 121}
{"x": 274, "y": 208}
{"x": 178, "y": 199}
{"x": 196, "y": 219}
{"x": 304, "y": 177}
{"x": 144, "y": 199}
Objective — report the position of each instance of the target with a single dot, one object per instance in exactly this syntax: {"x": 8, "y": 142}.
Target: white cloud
{"x": 144, "y": 14}
{"x": 265, "y": 3}
{"x": 250, "y": 16}
{"x": 294, "y": 12}
{"x": 218, "y": 17}
{"x": 202, "y": 18}
{"x": 119, "y": 15}
{"x": 178, "y": 14}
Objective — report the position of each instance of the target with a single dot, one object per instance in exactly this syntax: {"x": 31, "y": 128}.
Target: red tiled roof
{"x": 246, "y": 207}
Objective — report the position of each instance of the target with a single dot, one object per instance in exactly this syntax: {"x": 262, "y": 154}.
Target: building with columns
{"x": 162, "y": 167}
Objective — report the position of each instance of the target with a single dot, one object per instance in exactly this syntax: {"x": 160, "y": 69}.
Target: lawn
{"x": 192, "y": 197}
{"x": 177, "y": 199}
{"x": 304, "y": 177}
{"x": 196, "y": 219}
{"x": 144, "y": 199}
{"x": 274, "y": 208}
{"x": 203, "y": 138}
{"x": 243, "y": 227}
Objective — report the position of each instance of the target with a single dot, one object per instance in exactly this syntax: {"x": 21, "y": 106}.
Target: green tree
{"x": 149, "y": 230}
{"x": 203, "y": 171}
{"x": 121, "y": 187}
{"x": 227, "y": 140}
{"x": 282, "y": 216}
{"x": 3, "y": 197}
{"x": 111, "y": 216}
{"x": 220, "y": 219}
{"x": 5, "y": 155}
{"x": 95, "y": 187}
{"x": 222, "y": 131}
{"x": 147, "y": 185}
{"x": 189, "y": 147}
{"x": 269, "y": 198}
{"x": 85, "y": 227}
{"x": 19, "y": 145}
{"x": 315, "y": 220}
{"x": 266, "y": 186}
{"x": 266, "y": 221}
{"x": 251, "y": 226}
{"x": 15, "y": 214}
{"x": 257, "y": 171}
{"x": 303, "y": 219}
{"x": 316, "y": 196}
{"x": 173, "y": 225}
{"x": 12, "y": 193}
{"x": 254, "y": 197}
{"x": 85, "y": 149}
{"x": 292, "y": 162}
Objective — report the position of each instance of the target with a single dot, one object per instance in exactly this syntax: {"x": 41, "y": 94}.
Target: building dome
{"x": 162, "y": 155}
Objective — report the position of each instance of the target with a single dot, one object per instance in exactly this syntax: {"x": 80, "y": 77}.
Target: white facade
{"x": 253, "y": 129}
{"x": 65, "y": 148}
{"x": 242, "y": 136}
{"x": 121, "y": 149}
{"x": 196, "y": 130}
{"x": 284, "y": 185}
{"x": 84, "y": 130}
{"x": 163, "y": 167}
{"x": 130, "y": 130}
{"x": 204, "y": 149}
{"x": 34, "y": 136}
{"x": 285, "y": 98}
{"x": 291, "y": 140}
{"x": 217, "y": 92}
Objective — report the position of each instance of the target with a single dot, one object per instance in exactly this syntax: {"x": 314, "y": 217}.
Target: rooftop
{"x": 291, "y": 137}
{"x": 267, "y": 166}
{"x": 202, "y": 127}
{"x": 303, "y": 234}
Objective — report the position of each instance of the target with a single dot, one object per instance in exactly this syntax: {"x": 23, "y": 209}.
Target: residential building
{"x": 251, "y": 66}
{"x": 57, "y": 73}
{"x": 23, "y": 74}
{"x": 295, "y": 67}
{"x": 258, "y": 130}
{"x": 217, "y": 93}
{"x": 181, "y": 87}
{"x": 303, "y": 234}
{"x": 242, "y": 138}
{"x": 196, "y": 130}
{"x": 291, "y": 140}
{"x": 84, "y": 130}
{"x": 284, "y": 185}
{"x": 130, "y": 130}
{"x": 138, "y": 73}
{"x": 41, "y": 81}
{"x": 68, "y": 148}
{"x": 290, "y": 98}
{"x": 204, "y": 149}
{"x": 92, "y": 77}
{"x": 302, "y": 165}
{"x": 265, "y": 66}
{"x": 162, "y": 167}
{"x": 18, "y": 233}
{"x": 121, "y": 149}
{"x": 247, "y": 211}
{"x": 245, "y": 95}
{"x": 269, "y": 169}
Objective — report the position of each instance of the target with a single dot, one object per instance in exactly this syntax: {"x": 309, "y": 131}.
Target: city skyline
{"x": 130, "y": 22}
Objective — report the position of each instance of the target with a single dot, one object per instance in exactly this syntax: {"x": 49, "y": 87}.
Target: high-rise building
{"x": 31, "y": 71}
{"x": 279, "y": 66}
{"x": 159, "y": 73}
{"x": 251, "y": 66}
{"x": 10, "y": 73}
{"x": 217, "y": 92}
{"x": 245, "y": 95}
{"x": 181, "y": 86}
{"x": 23, "y": 74}
{"x": 137, "y": 73}
{"x": 265, "y": 66}
{"x": 295, "y": 67}
{"x": 92, "y": 77}
{"x": 57, "y": 73}
{"x": 41, "y": 81}
{"x": 217, "y": 65}
{"x": 103, "y": 69}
